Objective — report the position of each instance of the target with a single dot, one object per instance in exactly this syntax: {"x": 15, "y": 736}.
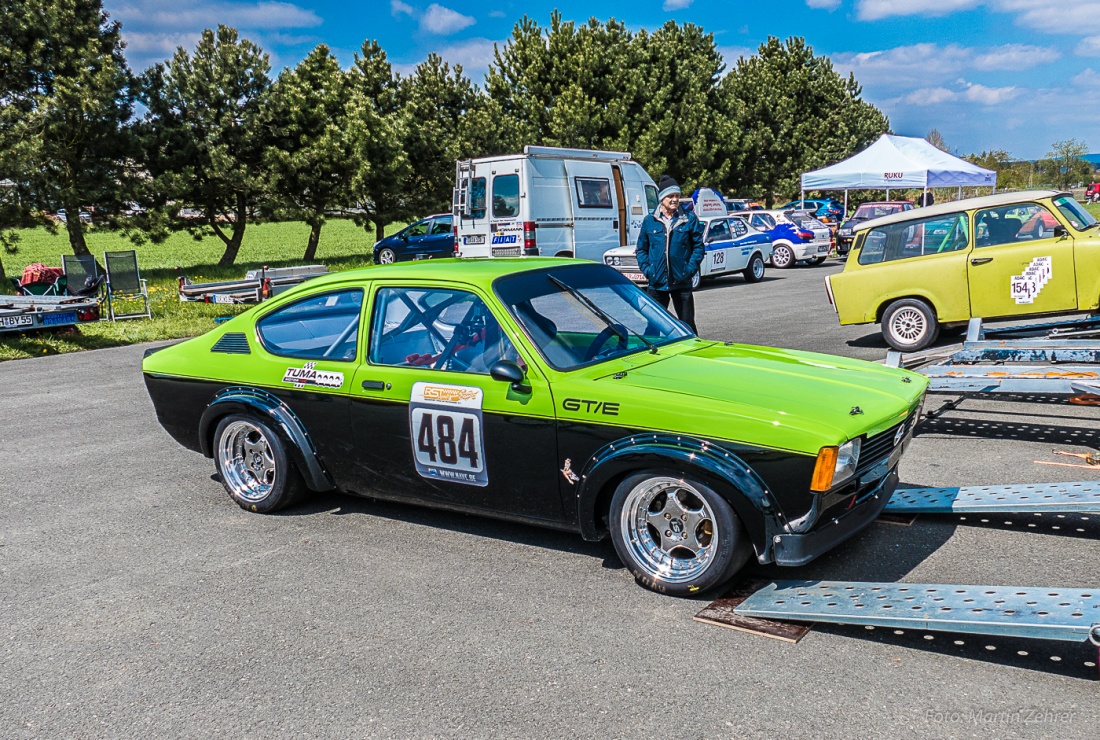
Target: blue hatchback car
{"x": 429, "y": 237}
{"x": 826, "y": 210}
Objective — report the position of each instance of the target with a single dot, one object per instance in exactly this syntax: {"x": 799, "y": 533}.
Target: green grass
{"x": 343, "y": 246}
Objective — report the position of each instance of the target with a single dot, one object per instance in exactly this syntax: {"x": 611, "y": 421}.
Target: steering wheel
{"x": 616, "y": 330}
{"x": 463, "y": 334}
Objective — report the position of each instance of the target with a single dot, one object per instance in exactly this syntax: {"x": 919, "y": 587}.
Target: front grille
{"x": 232, "y": 343}
{"x": 629, "y": 263}
{"x": 506, "y": 251}
{"x": 875, "y": 449}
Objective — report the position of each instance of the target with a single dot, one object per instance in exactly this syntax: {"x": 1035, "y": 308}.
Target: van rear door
{"x": 595, "y": 218}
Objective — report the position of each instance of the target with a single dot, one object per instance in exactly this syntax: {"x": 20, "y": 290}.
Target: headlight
{"x": 611, "y": 261}
{"x": 845, "y": 232}
{"x": 835, "y": 465}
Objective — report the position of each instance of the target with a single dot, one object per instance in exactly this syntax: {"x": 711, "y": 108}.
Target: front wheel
{"x": 254, "y": 466}
{"x": 782, "y": 256}
{"x": 386, "y": 256}
{"x": 909, "y": 325}
{"x": 675, "y": 534}
{"x": 754, "y": 273}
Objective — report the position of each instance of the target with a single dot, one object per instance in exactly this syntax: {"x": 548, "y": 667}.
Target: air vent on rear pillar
{"x": 232, "y": 343}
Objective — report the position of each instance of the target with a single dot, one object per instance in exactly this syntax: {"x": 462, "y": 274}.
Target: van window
{"x": 899, "y": 241}
{"x": 593, "y": 192}
{"x": 476, "y": 197}
{"x": 505, "y": 196}
{"x": 651, "y": 198}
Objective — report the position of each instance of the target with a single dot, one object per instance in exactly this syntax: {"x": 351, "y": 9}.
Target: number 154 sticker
{"x": 448, "y": 440}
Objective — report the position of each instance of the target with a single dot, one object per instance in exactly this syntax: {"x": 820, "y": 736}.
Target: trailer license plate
{"x": 475, "y": 239}
{"x": 59, "y": 319}
{"x": 223, "y": 298}
{"x": 21, "y": 320}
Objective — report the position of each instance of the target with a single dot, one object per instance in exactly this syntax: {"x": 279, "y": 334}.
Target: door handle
{"x": 980, "y": 260}
{"x": 374, "y": 385}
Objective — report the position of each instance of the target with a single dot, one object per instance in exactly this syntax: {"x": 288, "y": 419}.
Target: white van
{"x": 550, "y": 201}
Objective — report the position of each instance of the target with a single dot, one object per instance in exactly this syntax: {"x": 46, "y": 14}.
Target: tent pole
{"x": 887, "y": 193}
{"x": 924, "y": 198}
{"x": 802, "y": 201}
{"x": 845, "y": 202}
{"x": 960, "y": 192}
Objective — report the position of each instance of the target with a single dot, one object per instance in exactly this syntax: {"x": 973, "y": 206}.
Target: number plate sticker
{"x": 445, "y": 428}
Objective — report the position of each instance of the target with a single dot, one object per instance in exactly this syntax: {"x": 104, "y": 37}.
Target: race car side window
{"x": 320, "y": 327}
{"x": 719, "y": 231}
{"x": 1020, "y": 222}
{"x": 437, "y": 329}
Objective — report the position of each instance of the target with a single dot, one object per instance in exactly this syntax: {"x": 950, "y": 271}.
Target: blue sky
{"x": 994, "y": 74}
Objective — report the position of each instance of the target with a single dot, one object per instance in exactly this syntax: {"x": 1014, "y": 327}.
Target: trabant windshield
{"x": 567, "y": 332}
{"x": 1077, "y": 216}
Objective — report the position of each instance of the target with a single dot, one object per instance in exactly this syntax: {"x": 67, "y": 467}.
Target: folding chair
{"x": 125, "y": 282}
{"x": 82, "y": 274}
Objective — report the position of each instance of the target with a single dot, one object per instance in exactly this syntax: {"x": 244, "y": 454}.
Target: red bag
{"x": 37, "y": 272}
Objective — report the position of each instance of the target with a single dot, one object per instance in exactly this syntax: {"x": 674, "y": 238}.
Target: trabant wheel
{"x": 782, "y": 256}
{"x": 253, "y": 464}
{"x": 386, "y": 256}
{"x": 754, "y": 273}
{"x": 675, "y": 534}
{"x": 909, "y": 325}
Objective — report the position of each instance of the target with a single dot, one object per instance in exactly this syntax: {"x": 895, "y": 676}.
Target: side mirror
{"x": 1060, "y": 231}
{"x": 403, "y": 236}
{"x": 509, "y": 372}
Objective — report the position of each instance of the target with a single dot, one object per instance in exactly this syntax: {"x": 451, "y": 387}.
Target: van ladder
{"x": 1052, "y": 498}
{"x": 1066, "y": 614}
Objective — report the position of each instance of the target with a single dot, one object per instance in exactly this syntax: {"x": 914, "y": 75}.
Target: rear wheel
{"x": 782, "y": 256}
{"x": 817, "y": 260}
{"x": 909, "y": 325}
{"x": 254, "y": 466}
{"x": 754, "y": 273}
{"x": 675, "y": 534}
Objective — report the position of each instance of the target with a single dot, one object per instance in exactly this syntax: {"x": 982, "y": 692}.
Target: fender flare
{"x": 730, "y": 476}
{"x": 286, "y": 423}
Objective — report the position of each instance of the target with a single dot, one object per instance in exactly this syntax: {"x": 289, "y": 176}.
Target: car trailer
{"x": 27, "y": 312}
{"x": 256, "y": 286}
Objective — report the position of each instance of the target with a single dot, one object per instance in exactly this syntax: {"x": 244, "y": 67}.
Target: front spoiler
{"x": 799, "y": 549}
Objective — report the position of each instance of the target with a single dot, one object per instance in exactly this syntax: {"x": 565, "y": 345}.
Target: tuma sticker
{"x": 445, "y": 429}
{"x": 1024, "y": 287}
{"x": 309, "y": 375}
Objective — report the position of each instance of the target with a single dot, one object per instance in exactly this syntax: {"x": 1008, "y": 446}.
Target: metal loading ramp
{"x": 1064, "y": 614}
{"x": 1050, "y": 498}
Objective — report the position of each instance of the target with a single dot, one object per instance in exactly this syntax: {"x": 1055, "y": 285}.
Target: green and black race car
{"x": 547, "y": 391}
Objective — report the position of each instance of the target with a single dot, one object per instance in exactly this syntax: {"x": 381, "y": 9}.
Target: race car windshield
{"x": 568, "y": 332}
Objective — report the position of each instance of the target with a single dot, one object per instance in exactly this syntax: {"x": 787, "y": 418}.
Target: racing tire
{"x": 386, "y": 256}
{"x": 754, "y": 273}
{"x": 909, "y": 325}
{"x": 782, "y": 257}
{"x": 817, "y": 260}
{"x": 676, "y": 535}
{"x": 253, "y": 464}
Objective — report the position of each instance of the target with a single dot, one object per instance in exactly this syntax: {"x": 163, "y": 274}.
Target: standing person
{"x": 670, "y": 250}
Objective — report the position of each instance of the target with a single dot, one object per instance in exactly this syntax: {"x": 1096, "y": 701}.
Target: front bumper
{"x": 799, "y": 549}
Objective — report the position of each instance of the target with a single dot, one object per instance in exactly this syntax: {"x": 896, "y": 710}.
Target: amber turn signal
{"x": 824, "y": 469}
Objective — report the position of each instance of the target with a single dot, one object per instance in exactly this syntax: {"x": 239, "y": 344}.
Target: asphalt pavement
{"x": 136, "y": 600}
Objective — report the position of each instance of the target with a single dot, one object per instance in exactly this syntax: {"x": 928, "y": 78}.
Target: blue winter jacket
{"x": 681, "y": 247}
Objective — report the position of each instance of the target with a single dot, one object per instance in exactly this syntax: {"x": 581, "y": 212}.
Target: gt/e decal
{"x": 309, "y": 375}
{"x": 448, "y": 440}
{"x": 607, "y": 408}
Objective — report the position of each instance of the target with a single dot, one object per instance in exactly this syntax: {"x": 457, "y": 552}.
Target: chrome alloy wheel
{"x": 386, "y": 257}
{"x": 757, "y": 268}
{"x": 909, "y": 324}
{"x": 782, "y": 256}
{"x": 246, "y": 461}
{"x": 669, "y": 529}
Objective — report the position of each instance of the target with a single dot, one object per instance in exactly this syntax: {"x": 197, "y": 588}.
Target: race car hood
{"x": 798, "y": 400}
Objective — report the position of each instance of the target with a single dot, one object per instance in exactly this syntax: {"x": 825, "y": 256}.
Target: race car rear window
{"x": 320, "y": 327}
{"x": 936, "y": 235}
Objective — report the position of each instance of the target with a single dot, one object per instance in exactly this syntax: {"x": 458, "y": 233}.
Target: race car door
{"x": 717, "y": 242}
{"x": 431, "y": 425}
{"x": 595, "y": 216}
{"x": 1018, "y": 266}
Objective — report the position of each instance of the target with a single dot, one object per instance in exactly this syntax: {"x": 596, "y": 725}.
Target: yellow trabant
{"x": 1000, "y": 256}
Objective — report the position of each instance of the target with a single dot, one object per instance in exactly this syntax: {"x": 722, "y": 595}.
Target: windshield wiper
{"x": 611, "y": 323}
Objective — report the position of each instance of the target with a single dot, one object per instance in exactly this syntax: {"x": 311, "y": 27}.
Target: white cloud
{"x": 930, "y": 63}
{"x": 969, "y": 92}
{"x": 730, "y": 54}
{"x": 475, "y": 56}
{"x": 444, "y": 21}
{"x": 989, "y": 95}
{"x": 496, "y": 13}
{"x": 1087, "y": 78}
{"x": 829, "y": 5}
{"x": 264, "y": 15}
{"x": 398, "y": 8}
{"x": 873, "y": 10}
{"x": 1053, "y": 16}
{"x": 1089, "y": 47}
{"x": 671, "y": 5}
{"x": 930, "y": 96}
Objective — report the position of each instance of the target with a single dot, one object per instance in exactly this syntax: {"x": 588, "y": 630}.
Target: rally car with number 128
{"x": 550, "y": 392}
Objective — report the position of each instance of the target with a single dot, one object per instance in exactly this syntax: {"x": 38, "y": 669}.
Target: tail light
{"x": 807, "y": 235}
{"x": 530, "y": 247}
{"x": 455, "y": 250}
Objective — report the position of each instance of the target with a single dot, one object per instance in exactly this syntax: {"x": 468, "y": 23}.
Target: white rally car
{"x": 732, "y": 245}
{"x": 797, "y": 236}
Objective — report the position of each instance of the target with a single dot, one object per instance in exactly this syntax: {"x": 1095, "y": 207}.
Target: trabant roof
{"x": 472, "y": 270}
{"x": 956, "y": 206}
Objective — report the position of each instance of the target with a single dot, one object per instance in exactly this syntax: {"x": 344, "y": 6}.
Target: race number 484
{"x": 445, "y": 428}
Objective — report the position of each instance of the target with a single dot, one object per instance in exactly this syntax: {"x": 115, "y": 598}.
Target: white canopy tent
{"x": 899, "y": 162}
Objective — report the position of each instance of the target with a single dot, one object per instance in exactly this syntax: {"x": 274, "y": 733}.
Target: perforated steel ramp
{"x": 1053, "y": 498}
{"x": 1067, "y": 614}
